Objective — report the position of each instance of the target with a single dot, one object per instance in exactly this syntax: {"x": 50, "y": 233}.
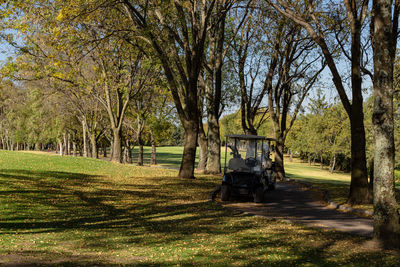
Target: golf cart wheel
{"x": 225, "y": 192}
{"x": 271, "y": 187}
{"x": 259, "y": 195}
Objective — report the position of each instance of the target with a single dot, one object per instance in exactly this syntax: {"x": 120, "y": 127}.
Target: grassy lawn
{"x": 168, "y": 156}
{"x": 77, "y": 211}
{"x": 337, "y": 183}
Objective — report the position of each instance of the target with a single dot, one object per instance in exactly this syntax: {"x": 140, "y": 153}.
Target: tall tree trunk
{"x": 321, "y": 161}
{"x": 333, "y": 163}
{"x": 74, "y": 148}
{"x": 117, "y": 146}
{"x": 204, "y": 88}
{"x": 214, "y": 145}
{"x": 280, "y": 143}
{"x": 359, "y": 191}
{"x": 202, "y": 140}
{"x": 65, "y": 144}
{"x": 61, "y": 148}
{"x": 93, "y": 142}
{"x": 140, "y": 155}
{"x": 68, "y": 144}
{"x": 189, "y": 150}
{"x": 214, "y": 100}
{"x": 80, "y": 149}
{"x": 386, "y": 216}
{"x": 279, "y": 167}
{"x": 153, "y": 154}
{"x": 127, "y": 152}
{"x": 213, "y": 94}
{"x": 85, "y": 147}
{"x": 104, "y": 150}
{"x": 89, "y": 149}
{"x": 140, "y": 127}
{"x": 124, "y": 155}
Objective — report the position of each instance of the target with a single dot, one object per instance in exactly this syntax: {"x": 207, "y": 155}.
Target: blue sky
{"x": 5, "y": 52}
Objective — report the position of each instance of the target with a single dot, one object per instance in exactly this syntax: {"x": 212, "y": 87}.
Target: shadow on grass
{"x": 97, "y": 214}
{"x": 79, "y": 201}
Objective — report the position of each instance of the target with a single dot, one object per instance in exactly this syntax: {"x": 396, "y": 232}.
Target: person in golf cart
{"x": 251, "y": 175}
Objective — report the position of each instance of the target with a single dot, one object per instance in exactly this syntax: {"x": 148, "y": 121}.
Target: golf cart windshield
{"x": 251, "y": 149}
{"x": 247, "y": 152}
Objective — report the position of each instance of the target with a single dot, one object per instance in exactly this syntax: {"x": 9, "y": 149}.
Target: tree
{"x": 60, "y": 58}
{"x": 251, "y": 52}
{"x": 338, "y": 135}
{"x": 124, "y": 75}
{"x": 12, "y": 115}
{"x": 177, "y": 32}
{"x": 160, "y": 124}
{"x": 278, "y": 63}
{"x": 322, "y": 134}
{"x": 296, "y": 76}
{"x": 308, "y": 17}
{"x": 384, "y": 33}
{"x": 218, "y": 48}
{"x": 144, "y": 104}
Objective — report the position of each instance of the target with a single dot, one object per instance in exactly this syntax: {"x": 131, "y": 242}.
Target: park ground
{"x": 78, "y": 211}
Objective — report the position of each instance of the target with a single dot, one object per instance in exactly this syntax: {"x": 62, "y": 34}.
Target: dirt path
{"x": 291, "y": 202}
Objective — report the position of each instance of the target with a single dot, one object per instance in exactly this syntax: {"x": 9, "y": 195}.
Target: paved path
{"x": 291, "y": 202}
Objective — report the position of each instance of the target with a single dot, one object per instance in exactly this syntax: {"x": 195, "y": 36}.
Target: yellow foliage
{"x": 58, "y": 75}
{"x": 57, "y": 31}
{"x": 60, "y": 16}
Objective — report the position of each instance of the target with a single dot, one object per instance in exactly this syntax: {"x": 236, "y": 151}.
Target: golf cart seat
{"x": 238, "y": 164}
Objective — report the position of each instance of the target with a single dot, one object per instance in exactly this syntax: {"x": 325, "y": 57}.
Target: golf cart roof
{"x": 248, "y": 137}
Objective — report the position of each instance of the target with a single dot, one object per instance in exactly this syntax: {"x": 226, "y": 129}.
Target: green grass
{"x": 337, "y": 183}
{"x": 397, "y": 176}
{"x": 77, "y": 211}
{"x": 169, "y": 156}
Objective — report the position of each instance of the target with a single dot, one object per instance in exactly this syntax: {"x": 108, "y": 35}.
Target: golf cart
{"x": 251, "y": 175}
